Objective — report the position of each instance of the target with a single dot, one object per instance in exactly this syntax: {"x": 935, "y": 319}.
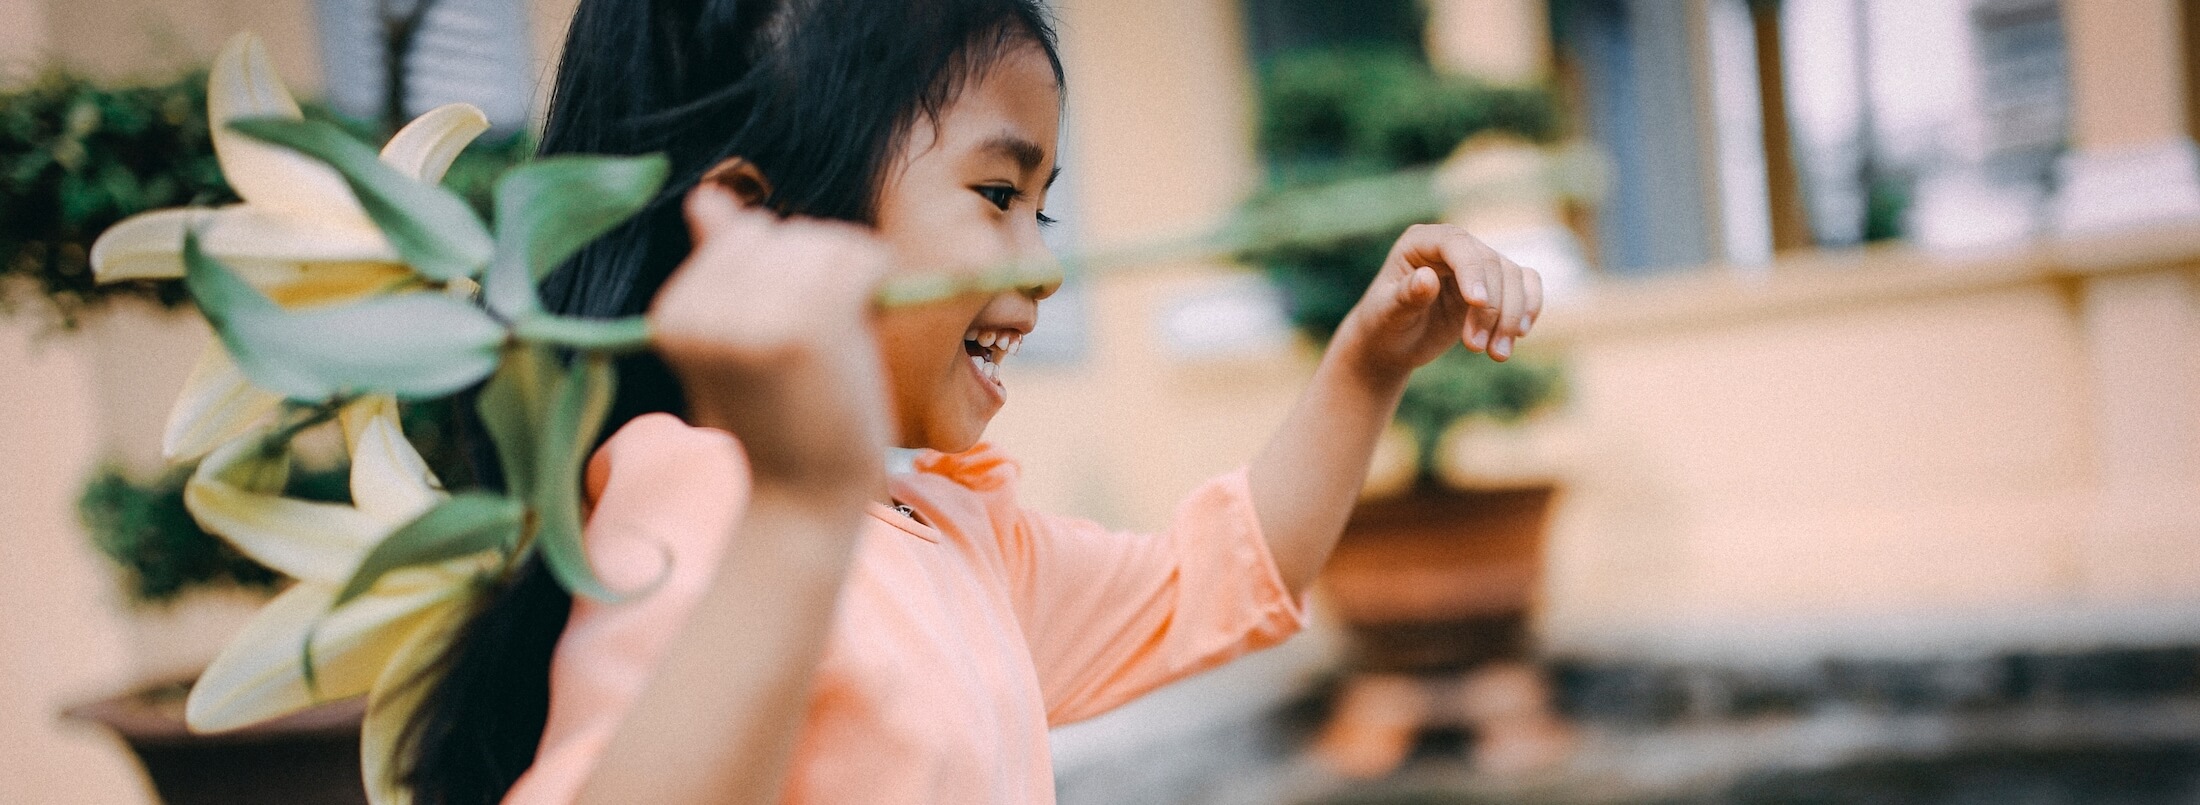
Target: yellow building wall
{"x": 1877, "y": 453}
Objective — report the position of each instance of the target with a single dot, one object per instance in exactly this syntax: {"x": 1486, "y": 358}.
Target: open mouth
{"x": 988, "y": 348}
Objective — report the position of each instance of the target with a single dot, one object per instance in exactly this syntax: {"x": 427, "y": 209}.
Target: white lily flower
{"x": 300, "y": 235}
{"x": 376, "y": 644}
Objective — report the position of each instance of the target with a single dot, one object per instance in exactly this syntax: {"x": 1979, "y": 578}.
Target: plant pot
{"x": 312, "y": 756}
{"x": 1439, "y": 579}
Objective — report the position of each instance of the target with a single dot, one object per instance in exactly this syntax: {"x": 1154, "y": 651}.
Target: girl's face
{"x": 966, "y": 194}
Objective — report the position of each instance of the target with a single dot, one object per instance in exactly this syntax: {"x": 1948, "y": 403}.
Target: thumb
{"x": 1409, "y": 295}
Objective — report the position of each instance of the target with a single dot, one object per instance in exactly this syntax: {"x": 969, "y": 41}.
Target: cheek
{"x": 916, "y": 344}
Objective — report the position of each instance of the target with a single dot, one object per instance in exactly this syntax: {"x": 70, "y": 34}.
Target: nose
{"x": 1041, "y": 264}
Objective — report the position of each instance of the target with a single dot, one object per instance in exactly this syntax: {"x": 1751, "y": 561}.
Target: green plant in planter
{"x": 1334, "y": 116}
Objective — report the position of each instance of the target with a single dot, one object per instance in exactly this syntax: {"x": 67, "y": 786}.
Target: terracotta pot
{"x": 312, "y": 756}
{"x": 1439, "y": 579}
{"x": 1435, "y": 589}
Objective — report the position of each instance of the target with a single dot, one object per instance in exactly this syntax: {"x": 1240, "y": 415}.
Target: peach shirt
{"x": 954, "y": 648}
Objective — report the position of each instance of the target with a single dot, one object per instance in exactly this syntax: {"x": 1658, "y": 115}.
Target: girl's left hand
{"x": 1440, "y": 285}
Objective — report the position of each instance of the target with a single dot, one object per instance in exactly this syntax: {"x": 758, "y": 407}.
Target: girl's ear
{"x": 742, "y": 177}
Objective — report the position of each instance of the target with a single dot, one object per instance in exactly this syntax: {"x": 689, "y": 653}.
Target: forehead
{"x": 1011, "y": 105}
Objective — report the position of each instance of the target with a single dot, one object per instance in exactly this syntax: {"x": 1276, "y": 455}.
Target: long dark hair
{"x": 818, "y": 95}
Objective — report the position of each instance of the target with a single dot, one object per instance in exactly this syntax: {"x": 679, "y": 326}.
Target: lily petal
{"x": 390, "y": 482}
{"x": 244, "y": 84}
{"x": 143, "y": 246}
{"x": 395, "y": 696}
{"x": 150, "y": 245}
{"x": 260, "y": 675}
{"x": 425, "y": 148}
{"x": 296, "y": 285}
{"x": 217, "y": 406}
{"x": 305, "y": 540}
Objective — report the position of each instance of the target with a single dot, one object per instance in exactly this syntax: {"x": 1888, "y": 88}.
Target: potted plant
{"x": 163, "y": 558}
{"x": 1437, "y": 570}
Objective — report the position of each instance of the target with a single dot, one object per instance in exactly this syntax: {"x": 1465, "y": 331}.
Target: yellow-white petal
{"x": 397, "y": 693}
{"x": 150, "y": 245}
{"x": 281, "y": 181}
{"x": 260, "y": 675}
{"x": 389, "y": 481}
{"x": 307, "y": 284}
{"x": 425, "y": 148}
{"x": 143, "y": 246}
{"x": 305, "y": 540}
{"x": 217, "y": 406}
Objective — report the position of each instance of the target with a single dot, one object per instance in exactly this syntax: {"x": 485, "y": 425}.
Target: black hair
{"x": 818, "y": 95}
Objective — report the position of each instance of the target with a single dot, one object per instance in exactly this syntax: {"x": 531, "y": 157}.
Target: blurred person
{"x": 817, "y": 146}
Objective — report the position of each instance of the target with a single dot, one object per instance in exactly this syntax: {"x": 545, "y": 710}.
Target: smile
{"x": 988, "y": 348}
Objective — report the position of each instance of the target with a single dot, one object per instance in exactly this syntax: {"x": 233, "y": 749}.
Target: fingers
{"x": 1502, "y": 298}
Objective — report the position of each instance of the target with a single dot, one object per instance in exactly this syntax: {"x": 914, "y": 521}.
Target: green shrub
{"x": 75, "y": 157}
{"x": 151, "y": 537}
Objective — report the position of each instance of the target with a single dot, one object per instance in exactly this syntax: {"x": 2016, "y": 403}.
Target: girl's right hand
{"x": 768, "y": 326}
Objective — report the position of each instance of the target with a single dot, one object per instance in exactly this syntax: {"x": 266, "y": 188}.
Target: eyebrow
{"x": 1025, "y": 153}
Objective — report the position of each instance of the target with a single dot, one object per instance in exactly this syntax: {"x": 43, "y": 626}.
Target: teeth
{"x": 986, "y": 339}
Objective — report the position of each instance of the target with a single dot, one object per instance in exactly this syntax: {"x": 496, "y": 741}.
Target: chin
{"x": 954, "y": 438}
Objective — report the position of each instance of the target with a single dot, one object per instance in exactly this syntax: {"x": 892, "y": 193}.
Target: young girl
{"x": 822, "y": 632}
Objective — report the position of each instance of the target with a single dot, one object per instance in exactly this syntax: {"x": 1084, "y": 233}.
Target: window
{"x": 475, "y": 51}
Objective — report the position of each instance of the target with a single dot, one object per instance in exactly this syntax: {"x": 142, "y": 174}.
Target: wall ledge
{"x": 1832, "y": 281}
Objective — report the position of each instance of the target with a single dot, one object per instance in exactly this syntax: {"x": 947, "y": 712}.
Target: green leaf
{"x": 511, "y": 406}
{"x": 549, "y": 208}
{"x": 466, "y": 524}
{"x": 629, "y": 334}
{"x": 431, "y": 227}
{"x": 414, "y": 345}
{"x": 569, "y": 432}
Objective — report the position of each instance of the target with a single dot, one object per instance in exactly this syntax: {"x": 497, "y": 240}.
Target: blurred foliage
{"x": 77, "y": 155}
{"x": 162, "y": 552}
{"x": 1340, "y": 114}
{"x": 1358, "y": 111}
{"x": 1460, "y": 383}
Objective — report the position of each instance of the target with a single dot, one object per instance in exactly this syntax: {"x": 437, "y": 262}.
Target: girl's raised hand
{"x": 1441, "y": 285}
{"x": 768, "y": 326}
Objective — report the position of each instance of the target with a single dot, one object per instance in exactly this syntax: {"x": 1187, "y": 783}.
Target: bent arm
{"x": 1440, "y": 286}
{"x": 1305, "y": 481}
{"x": 719, "y": 719}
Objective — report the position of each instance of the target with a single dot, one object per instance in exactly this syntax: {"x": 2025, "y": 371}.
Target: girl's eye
{"x": 1000, "y": 195}
{"x": 1045, "y": 221}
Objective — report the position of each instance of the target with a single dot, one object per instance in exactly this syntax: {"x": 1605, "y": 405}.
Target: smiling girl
{"x": 825, "y": 632}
